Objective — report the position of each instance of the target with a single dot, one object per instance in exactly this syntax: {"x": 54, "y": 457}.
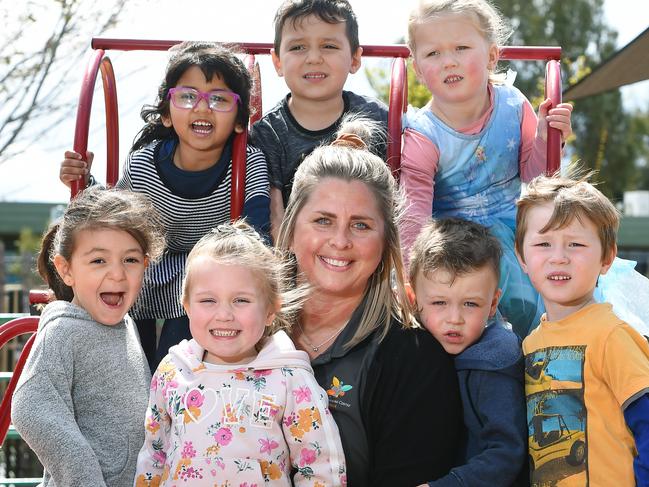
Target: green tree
{"x": 418, "y": 94}
{"x": 605, "y": 138}
{"x": 28, "y": 245}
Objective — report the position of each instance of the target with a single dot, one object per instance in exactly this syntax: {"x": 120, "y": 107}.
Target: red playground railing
{"x": 397, "y": 103}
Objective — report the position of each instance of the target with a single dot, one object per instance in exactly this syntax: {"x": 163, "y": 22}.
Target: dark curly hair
{"x": 214, "y": 60}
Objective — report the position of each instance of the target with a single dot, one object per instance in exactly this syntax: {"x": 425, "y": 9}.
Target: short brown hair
{"x": 329, "y": 11}
{"x": 456, "y": 246}
{"x": 573, "y": 197}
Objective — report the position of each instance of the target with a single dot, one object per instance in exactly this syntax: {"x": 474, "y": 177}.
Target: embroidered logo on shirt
{"x": 338, "y": 388}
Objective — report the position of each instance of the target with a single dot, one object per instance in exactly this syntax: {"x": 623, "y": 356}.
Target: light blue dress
{"x": 478, "y": 179}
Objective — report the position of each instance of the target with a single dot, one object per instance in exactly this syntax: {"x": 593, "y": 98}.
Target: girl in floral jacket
{"x": 238, "y": 405}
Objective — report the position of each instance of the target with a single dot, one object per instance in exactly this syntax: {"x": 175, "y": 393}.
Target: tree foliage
{"x": 607, "y": 138}
{"x": 41, "y": 43}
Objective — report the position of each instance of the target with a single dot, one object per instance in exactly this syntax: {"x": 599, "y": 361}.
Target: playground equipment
{"x": 100, "y": 62}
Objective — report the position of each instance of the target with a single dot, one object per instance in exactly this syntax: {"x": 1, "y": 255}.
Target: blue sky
{"x": 33, "y": 176}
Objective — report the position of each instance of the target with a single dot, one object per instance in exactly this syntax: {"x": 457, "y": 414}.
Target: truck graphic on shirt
{"x": 551, "y": 439}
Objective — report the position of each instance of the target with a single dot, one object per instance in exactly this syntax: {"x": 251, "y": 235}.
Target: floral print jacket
{"x": 239, "y": 426}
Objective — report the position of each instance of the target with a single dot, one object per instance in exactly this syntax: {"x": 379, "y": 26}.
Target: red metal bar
{"x": 112, "y": 122}
{"x": 9, "y": 330}
{"x": 238, "y": 188}
{"x": 256, "y": 108}
{"x": 553, "y": 92}
{"x": 83, "y": 113}
{"x": 398, "y": 100}
{"x": 398, "y": 92}
{"x": 399, "y": 50}
{"x": 39, "y": 296}
{"x": 530, "y": 53}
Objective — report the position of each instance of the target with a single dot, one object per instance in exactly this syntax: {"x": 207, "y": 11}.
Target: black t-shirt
{"x": 285, "y": 143}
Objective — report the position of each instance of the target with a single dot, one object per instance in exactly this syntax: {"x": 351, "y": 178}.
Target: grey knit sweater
{"x": 81, "y": 400}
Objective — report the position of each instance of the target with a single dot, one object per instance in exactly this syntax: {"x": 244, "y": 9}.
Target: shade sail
{"x": 628, "y": 65}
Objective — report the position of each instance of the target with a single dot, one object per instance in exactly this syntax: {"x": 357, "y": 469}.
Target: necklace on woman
{"x": 316, "y": 348}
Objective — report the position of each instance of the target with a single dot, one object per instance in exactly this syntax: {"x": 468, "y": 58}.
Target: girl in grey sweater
{"x": 80, "y": 401}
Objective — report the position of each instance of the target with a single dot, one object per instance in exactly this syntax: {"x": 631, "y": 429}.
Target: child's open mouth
{"x": 112, "y": 299}
{"x": 453, "y": 79}
{"x": 202, "y": 127}
{"x": 453, "y": 337}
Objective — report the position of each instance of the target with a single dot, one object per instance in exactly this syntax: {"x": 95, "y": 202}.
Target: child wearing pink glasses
{"x": 181, "y": 160}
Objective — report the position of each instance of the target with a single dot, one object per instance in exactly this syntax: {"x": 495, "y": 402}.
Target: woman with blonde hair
{"x": 392, "y": 389}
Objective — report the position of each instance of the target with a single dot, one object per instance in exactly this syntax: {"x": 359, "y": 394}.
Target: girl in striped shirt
{"x": 182, "y": 160}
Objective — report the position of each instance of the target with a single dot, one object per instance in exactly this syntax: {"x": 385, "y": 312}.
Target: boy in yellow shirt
{"x": 586, "y": 371}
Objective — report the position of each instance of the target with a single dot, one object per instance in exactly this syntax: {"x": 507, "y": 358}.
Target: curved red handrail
{"x": 82, "y": 126}
{"x": 553, "y": 92}
{"x": 398, "y": 91}
{"x": 9, "y": 330}
{"x": 98, "y": 62}
{"x": 112, "y": 121}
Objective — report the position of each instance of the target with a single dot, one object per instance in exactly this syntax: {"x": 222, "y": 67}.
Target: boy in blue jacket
{"x": 454, "y": 271}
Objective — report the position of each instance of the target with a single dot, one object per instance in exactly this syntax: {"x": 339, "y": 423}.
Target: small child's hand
{"x": 557, "y": 118}
{"x": 73, "y": 167}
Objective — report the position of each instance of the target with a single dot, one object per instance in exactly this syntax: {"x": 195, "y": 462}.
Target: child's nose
{"x": 117, "y": 272}
{"x": 455, "y": 315}
{"x": 449, "y": 59}
{"x": 313, "y": 56}
{"x": 559, "y": 255}
{"x": 223, "y": 312}
{"x": 202, "y": 104}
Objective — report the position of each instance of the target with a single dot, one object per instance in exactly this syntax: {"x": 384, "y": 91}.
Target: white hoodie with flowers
{"x": 239, "y": 426}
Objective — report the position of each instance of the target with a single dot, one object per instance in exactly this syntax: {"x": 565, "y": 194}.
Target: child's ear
{"x": 494, "y": 55}
{"x": 147, "y": 261}
{"x": 166, "y": 121}
{"x": 276, "y": 62}
{"x": 521, "y": 261}
{"x": 415, "y": 66}
{"x": 272, "y": 311}
{"x": 494, "y": 303}
{"x": 410, "y": 294}
{"x": 607, "y": 262}
{"x": 238, "y": 128}
{"x": 356, "y": 60}
{"x": 63, "y": 268}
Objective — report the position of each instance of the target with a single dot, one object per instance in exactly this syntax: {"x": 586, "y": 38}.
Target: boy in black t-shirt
{"x": 316, "y": 47}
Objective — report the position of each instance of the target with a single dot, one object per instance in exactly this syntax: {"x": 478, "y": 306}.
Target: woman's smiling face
{"x": 339, "y": 238}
